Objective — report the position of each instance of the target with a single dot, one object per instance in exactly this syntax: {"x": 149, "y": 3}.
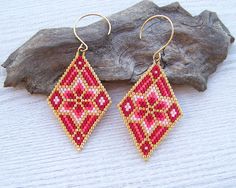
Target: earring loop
{"x": 84, "y": 47}
{"x": 171, "y": 36}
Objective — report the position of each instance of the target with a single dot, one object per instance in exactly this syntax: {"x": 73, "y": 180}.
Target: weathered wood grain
{"x": 200, "y": 43}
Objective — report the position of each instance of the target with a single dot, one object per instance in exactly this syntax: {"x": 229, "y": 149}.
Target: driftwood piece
{"x": 200, "y": 43}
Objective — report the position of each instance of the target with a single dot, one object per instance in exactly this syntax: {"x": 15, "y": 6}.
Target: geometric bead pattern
{"x": 79, "y": 100}
{"x": 150, "y": 109}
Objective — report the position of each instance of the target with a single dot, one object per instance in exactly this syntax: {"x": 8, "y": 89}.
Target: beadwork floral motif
{"x": 150, "y": 109}
{"x": 79, "y": 100}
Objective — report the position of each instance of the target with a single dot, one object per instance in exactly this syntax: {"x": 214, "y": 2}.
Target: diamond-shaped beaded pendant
{"x": 150, "y": 109}
{"x": 79, "y": 100}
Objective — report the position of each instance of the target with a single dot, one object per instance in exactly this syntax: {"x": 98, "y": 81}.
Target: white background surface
{"x": 34, "y": 151}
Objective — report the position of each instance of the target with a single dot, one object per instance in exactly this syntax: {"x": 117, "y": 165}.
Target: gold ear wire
{"x": 84, "y": 47}
{"x": 171, "y": 36}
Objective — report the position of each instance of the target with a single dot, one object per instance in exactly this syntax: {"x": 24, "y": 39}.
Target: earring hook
{"x": 171, "y": 36}
{"x": 84, "y": 47}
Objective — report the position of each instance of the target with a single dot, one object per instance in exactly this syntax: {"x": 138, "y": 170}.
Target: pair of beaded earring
{"x": 150, "y": 109}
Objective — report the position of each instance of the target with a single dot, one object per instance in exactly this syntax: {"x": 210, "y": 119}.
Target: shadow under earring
{"x": 150, "y": 109}
{"x": 79, "y": 100}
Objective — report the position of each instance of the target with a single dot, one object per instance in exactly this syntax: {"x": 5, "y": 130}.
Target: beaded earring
{"x": 150, "y": 109}
{"x": 79, "y": 100}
